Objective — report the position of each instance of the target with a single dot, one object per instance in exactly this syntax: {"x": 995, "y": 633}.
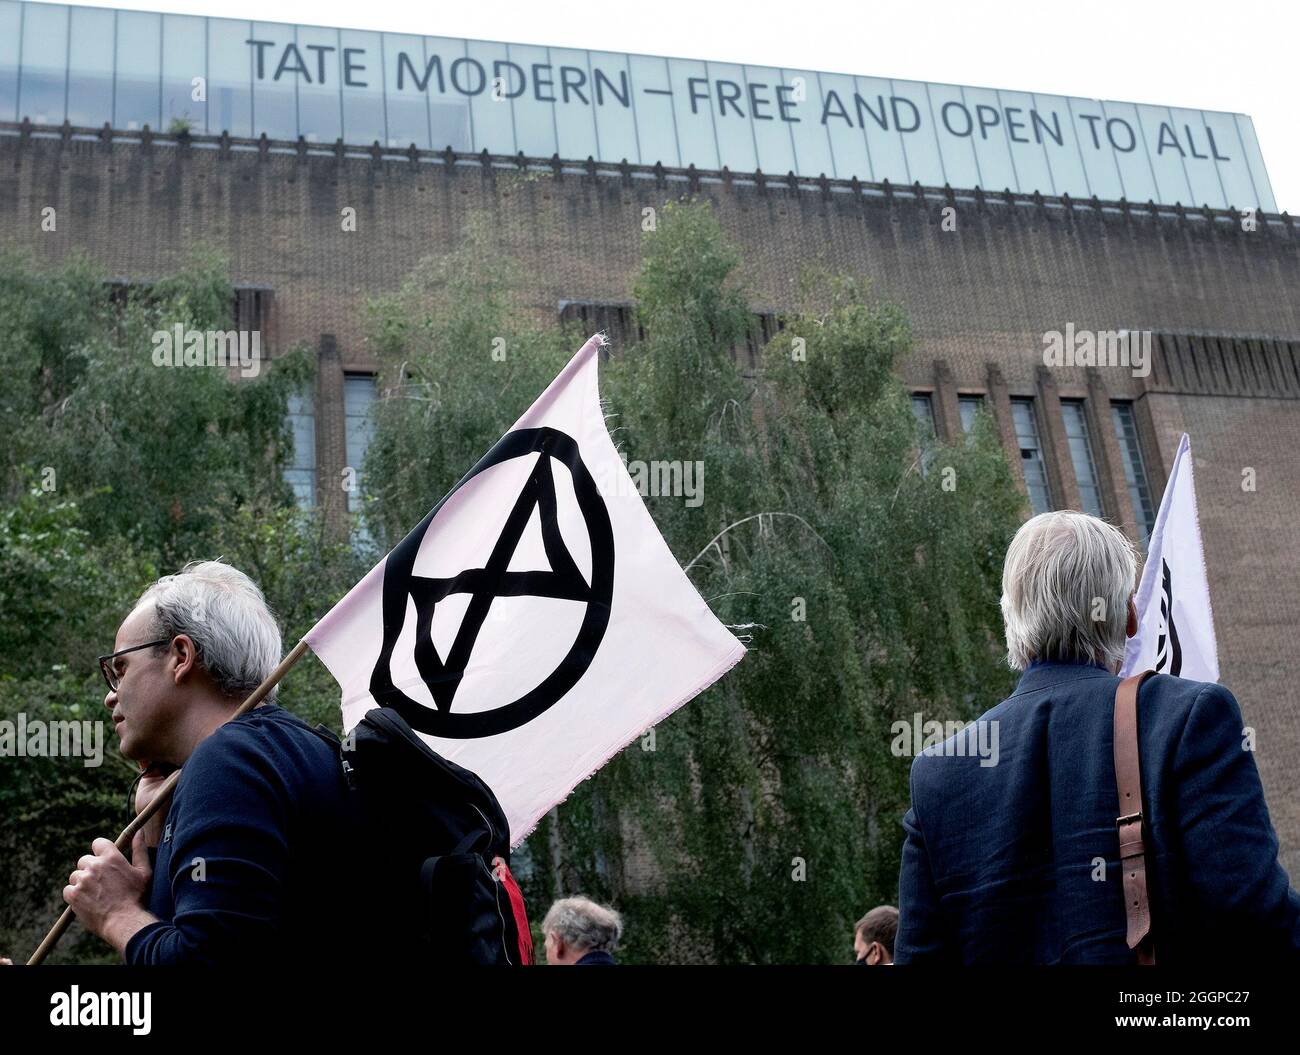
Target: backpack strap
{"x": 344, "y": 752}
{"x": 326, "y": 734}
{"x": 1130, "y": 823}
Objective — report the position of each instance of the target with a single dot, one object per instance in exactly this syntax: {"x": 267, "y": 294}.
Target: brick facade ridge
{"x": 992, "y": 202}
{"x": 1236, "y": 335}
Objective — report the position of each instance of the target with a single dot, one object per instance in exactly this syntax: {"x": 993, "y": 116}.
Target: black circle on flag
{"x": 443, "y": 674}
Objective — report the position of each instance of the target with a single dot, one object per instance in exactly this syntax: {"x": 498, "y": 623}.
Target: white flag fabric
{"x": 535, "y": 622}
{"x": 1175, "y": 626}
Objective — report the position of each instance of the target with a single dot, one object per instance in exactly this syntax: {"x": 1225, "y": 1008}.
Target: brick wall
{"x": 980, "y": 297}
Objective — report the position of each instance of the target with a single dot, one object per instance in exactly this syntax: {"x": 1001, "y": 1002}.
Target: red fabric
{"x": 517, "y": 905}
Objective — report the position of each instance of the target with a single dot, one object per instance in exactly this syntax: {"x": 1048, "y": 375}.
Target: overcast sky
{"x": 1212, "y": 56}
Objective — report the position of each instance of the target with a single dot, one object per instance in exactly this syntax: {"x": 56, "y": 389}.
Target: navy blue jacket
{"x": 253, "y": 864}
{"x": 1000, "y": 863}
{"x": 596, "y": 958}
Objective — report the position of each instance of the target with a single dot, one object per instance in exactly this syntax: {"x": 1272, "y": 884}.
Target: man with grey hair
{"x": 581, "y": 933}
{"x": 245, "y": 866}
{"x": 1018, "y": 863}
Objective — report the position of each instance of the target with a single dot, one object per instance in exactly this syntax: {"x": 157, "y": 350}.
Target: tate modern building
{"x": 996, "y": 217}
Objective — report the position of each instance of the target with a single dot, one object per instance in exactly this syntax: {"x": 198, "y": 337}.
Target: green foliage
{"x": 868, "y": 586}
{"x": 149, "y": 449}
{"x": 116, "y": 471}
{"x": 47, "y": 557}
{"x": 61, "y": 598}
{"x": 863, "y": 576}
{"x": 460, "y": 362}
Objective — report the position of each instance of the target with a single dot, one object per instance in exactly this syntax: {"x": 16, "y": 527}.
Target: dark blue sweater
{"x": 254, "y": 856}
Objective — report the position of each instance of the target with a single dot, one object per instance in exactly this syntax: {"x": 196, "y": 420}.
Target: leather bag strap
{"x": 1130, "y": 823}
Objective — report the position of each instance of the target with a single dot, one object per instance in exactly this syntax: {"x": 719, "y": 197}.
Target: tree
{"x": 118, "y": 470}
{"x": 767, "y": 818}
{"x": 459, "y": 360}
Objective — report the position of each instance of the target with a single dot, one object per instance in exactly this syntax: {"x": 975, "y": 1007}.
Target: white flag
{"x": 535, "y": 622}
{"x": 1175, "y": 627}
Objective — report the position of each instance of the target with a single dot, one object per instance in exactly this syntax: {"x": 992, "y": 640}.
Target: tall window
{"x": 1031, "y": 455}
{"x": 358, "y": 394}
{"x": 1085, "y": 467}
{"x": 301, "y": 471}
{"x": 968, "y": 407}
{"x": 924, "y": 411}
{"x": 1135, "y": 473}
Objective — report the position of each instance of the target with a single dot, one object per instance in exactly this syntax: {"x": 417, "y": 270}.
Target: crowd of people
{"x": 1030, "y": 860}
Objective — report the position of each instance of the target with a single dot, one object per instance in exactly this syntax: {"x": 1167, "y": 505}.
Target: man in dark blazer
{"x": 1017, "y": 862}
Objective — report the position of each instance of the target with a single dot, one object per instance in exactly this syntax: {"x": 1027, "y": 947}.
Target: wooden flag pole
{"x": 164, "y": 795}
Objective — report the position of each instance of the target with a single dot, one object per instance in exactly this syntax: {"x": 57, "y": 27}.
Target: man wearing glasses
{"x": 248, "y": 858}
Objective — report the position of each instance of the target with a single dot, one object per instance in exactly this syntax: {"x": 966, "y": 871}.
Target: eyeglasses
{"x": 106, "y": 662}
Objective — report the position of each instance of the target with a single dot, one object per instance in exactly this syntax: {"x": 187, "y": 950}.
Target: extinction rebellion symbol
{"x": 1168, "y": 652}
{"x": 443, "y": 674}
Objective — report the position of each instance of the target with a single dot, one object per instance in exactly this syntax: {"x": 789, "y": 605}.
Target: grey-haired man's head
{"x": 210, "y": 641}
{"x": 1067, "y": 589}
{"x": 576, "y": 926}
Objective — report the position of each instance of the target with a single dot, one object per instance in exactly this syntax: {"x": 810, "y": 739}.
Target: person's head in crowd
{"x": 580, "y": 932}
{"x": 1067, "y": 592}
{"x": 193, "y": 648}
{"x": 873, "y": 937}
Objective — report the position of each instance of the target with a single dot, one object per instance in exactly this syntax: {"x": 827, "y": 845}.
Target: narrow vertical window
{"x": 924, "y": 411}
{"x": 301, "y": 470}
{"x": 358, "y": 395}
{"x": 1031, "y": 455}
{"x": 1085, "y": 466}
{"x": 1135, "y": 473}
{"x": 969, "y": 407}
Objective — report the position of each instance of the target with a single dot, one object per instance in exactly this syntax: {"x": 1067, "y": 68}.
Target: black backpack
{"x": 439, "y": 847}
